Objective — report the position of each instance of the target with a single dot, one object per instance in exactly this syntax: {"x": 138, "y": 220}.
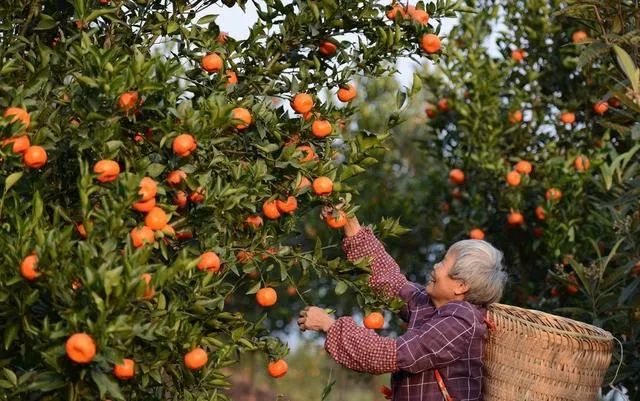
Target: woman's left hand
{"x": 314, "y": 318}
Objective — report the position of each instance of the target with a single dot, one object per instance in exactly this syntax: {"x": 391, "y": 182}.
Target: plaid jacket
{"x": 449, "y": 338}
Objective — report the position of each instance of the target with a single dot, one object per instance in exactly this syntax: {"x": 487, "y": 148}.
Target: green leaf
{"x": 350, "y": 171}
{"x": 341, "y": 288}
{"x": 46, "y": 22}
{"x": 254, "y": 289}
{"x": 106, "y": 385}
{"x": 155, "y": 169}
{"x": 11, "y": 180}
{"x": 627, "y": 66}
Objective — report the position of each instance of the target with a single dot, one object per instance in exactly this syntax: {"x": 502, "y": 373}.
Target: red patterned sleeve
{"x": 386, "y": 277}
{"x": 359, "y": 348}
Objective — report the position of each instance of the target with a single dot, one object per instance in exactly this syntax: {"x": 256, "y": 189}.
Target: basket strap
{"x": 443, "y": 388}
{"x": 490, "y": 323}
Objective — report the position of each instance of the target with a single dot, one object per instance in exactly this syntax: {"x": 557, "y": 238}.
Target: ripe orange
{"x": 148, "y": 189}
{"x": 34, "y": 157}
{"x": 209, "y": 261}
{"x": 327, "y": 48}
{"x": 302, "y": 103}
{"x": 420, "y": 16}
{"x": 19, "y": 114}
{"x": 196, "y": 359}
{"x": 81, "y": 348}
{"x": 396, "y": 10}
{"x": 614, "y": 101}
{"x": 232, "y": 78}
{"x": 254, "y": 221}
{"x": 107, "y": 170}
{"x": 322, "y": 186}
{"x": 337, "y": 222}
{"x": 20, "y": 143}
{"x": 222, "y": 37}
{"x": 513, "y": 178}
{"x": 288, "y": 206}
{"x": 128, "y": 100}
{"x": 176, "y": 177}
{"x": 144, "y": 206}
{"x": 277, "y": 368}
{"x": 180, "y": 199}
{"x": 456, "y": 176}
{"x": 581, "y": 163}
{"x": 523, "y": 167}
{"x": 142, "y": 235}
{"x": 211, "y": 62}
{"x": 321, "y": 128}
{"x": 266, "y": 296}
{"x": 270, "y": 210}
{"x": 347, "y": 93}
{"x": 430, "y": 43}
{"x": 29, "y": 268}
{"x": 156, "y": 219}
{"x": 540, "y": 213}
{"x": 184, "y": 144}
{"x": 515, "y": 116}
{"x": 518, "y": 55}
{"x": 553, "y": 194}
{"x": 515, "y": 218}
{"x": 244, "y": 256}
{"x": 476, "y": 233}
{"x": 197, "y": 196}
{"x": 374, "y": 320}
{"x": 538, "y": 232}
{"x": 292, "y": 291}
{"x": 148, "y": 291}
{"x": 579, "y": 37}
{"x": 568, "y": 117}
{"x": 81, "y": 230}
{"x": 443, "y": 104}
{"x": 304, "y": 183}
{"x": 126, "y": 370}
{"x": 308, "y": 152}
{"x": 242, "y": 114}
{"x": 601, "y": 107}
{"x": 431, "y": 111}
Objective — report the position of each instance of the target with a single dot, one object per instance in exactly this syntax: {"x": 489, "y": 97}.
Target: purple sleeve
{"x": 386, "y": 277}
{"x": 440, "y": 341}
{"x": 359, "y": 348}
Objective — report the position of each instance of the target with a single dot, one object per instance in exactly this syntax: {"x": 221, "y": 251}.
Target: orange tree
{"x": 152, "y": 168}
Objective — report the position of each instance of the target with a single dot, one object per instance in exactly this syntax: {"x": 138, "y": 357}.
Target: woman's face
{"x": 442, "y": 288}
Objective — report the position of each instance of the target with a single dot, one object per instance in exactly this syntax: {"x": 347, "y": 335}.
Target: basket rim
{"x": 501, "y": 309}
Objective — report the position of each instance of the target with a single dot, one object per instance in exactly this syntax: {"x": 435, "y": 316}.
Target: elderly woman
{"x": 440, "y": 355}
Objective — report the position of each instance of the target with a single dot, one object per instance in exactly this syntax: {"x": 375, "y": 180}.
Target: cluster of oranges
{"x": 429, "y": 42}
{"x": 33, "y": 156}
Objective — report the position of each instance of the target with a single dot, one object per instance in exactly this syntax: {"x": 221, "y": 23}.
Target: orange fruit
{"x": 374, "y": 320}
{"x": 148, "y": 189}
{"x": 180, "y": 199}
{"x": 579, "y": 37}
{"x": 232, "y": 78}
{"x": 29, "y": 268}
{"x": 540, "y": 213}
{"x": 176, "y": 177}
{"x": 141, "y": 236}
{"x": 538, "y": 232}
{"x": 107, "y": 170}
{"x": 277, "y": 368}
{"x": 347, "y": 93}
{"x": 386, "y": 391}
{"x": 81, "y": 230}
{"x": 568, "y": 117}
{"x": 308, "y": 152}
{"x": 515, "y": 218}
{"x": 601, "y": 107}
{"x": 396, "y": 10}
{"x": 19, "y": 114}
{"x": 321, "y": 128}
{"x": 456, "y": 176}
{"x": 327, "y": 48}
{"x": 197, "y": 196}
{"x": 156, "y": 219}
{"x": 430, "y": 43}
{"x": 515, "y": 116}
{"x": 144, "y": 206}
{"x": 443, "y": 104}
{"x": 287, "y": 206}
{"x": 304, "y": 183}
{"x": 420, "y": 16}
{"x": 292, "y": 291}
{"x": 148, "y": 291}
{"x": 254, "y": 221}
{"x": 266, "y": 296}
{"x": 614, "y": 101}
{"x": 34, "y": 157}
{"x": 431, "y": 111}
{"x": 270, "y": 210}
{"x": 523, "y": 167}
{"x": 518, "y": 55}
{"x": 20, "y": 143}
{"x": 80, "y": 348}
{"x": 244, "y": 256}
{"x": 209, "y": 261}
{"x": 211, "y": 62}
{"x": 242, "y": 114}
{"x": 184, "y": 144}
{"x": 513, "y": 178}
{"x": 126, "y": 370}
{"x": 476, "y": 233}
{"x": 302, "y": 103}
{"x": 128, "y": 100}
{"x": 581, "y": 163}
{"x": 337, "y": 222}
{"x": 322, "y": 186}
{"x": 222, "y": 37}
{"x": 553, "y": 194}
{"x": 195, "y": 359}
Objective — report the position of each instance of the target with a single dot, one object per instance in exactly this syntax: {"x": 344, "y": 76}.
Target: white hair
{"x": 479, "y": 265}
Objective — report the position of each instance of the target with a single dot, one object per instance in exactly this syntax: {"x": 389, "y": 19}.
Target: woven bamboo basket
{"x": 536, "y": 356}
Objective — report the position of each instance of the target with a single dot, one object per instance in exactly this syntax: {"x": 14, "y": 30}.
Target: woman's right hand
{"x": 351, "y": 228}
